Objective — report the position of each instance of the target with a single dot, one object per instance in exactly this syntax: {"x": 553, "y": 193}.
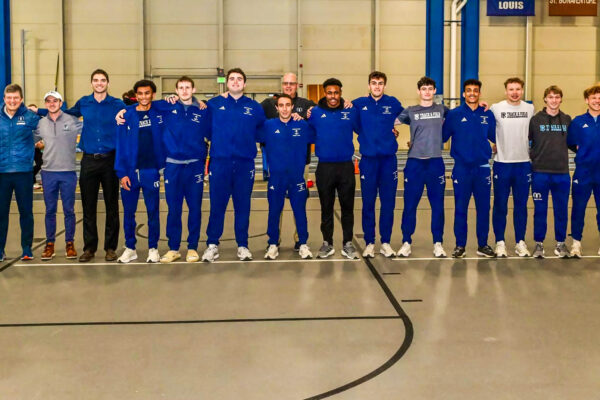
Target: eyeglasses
{"x": 289, "y": 83}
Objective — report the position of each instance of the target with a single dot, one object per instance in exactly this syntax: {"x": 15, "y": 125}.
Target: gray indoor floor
{"x": 418, "y": 328}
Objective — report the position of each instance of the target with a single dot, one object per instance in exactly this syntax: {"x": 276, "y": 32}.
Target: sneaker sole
{"x": 127, "y": 261}
{"x": 564, "y": 256}
{"x": 209, "y": 261}
{"x": 245, "y": 259}
{"x": 306, "y": 257}
{"x": 332, "y": 252}
{"x": 461, "y": 256}
{"x": 170, "y": 261}
{"x": 355, "y": 257}
{"x": 27, "y": 258}
{"x": 404, "y": 255}
{"x": 71, "y": 258}
{"x": 387, "y": 255}
{"x": 487, "y": 255}
{"x": 441, "y": 256}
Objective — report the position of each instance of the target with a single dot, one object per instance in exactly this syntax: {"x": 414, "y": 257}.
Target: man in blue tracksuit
{"x": 584, "y": 138}
{"x": 17, "y": 125}
{"x": 285, "y": 143}
{"x": 139, "y": 157}
{"x": 378, "y": 163}
{"x": 187, "y": 128}
{"x": 335, "y": 127}
{"x": 550, "y": 164}
{"x": 235, "y": 120}
{"x": 424, "y": 167}
{"x": 471, "y": 128}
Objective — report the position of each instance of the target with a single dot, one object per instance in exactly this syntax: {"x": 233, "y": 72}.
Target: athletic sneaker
{"x": 459, "y": 252}
{"x": 349, "y": 251}
{"x": 211, "y": 253}
{"x": 326, "y": 250}
{"x": 127, "y": 256}
{"x": 538, "y": 252}
{"x": 192, "y": 256}
{"x": 501, "y": 249}
{"x": 438, "y": 250}
{"x": 27, "y": 254}
{"x": 37, "y": 186}
{"x": 576, "y": 249}
{"x": 297, "y": 246}
{"x": 153, "y": 256}
{"x": 561, "y": 250}
{"x": 1, "y": 256}
{"x": 486, "y": 251}
{"x": 404, "y": 250}
{"x": 304, "y": 252}
{"x": 272, "y": 252}
{"x": 170, "y": 256}
{"x": 369, "y": 251}
{"x": 522, "y": 250}
{"x": 386, "y": 250}
{"x": 244, "y": 254}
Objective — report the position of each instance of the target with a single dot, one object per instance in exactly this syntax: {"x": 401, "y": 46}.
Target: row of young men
{"x": 372, "y": 117}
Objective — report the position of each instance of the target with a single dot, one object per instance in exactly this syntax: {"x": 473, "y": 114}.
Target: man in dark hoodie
{"x": 334, "y": 146}
{"x": 550, "y": 164}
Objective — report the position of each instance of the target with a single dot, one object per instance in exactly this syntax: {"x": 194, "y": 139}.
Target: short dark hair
{"x": 377, "y": 75}
{"x": 332, "y": 82}
{"x": 471, "y": 82}
{"x": 184, "y": 79}
{"x": 586, "y": 93}
{"x": 13, "y": 88}
{"x": 237, "y": 71}
{"x": 101, "y": 72}
{"x": 282, "y": 96}
{"x": 553, "y": 89}
{"x": 514, "y": 79}
{"x": 425, "y": 81}
{"x": 144, "y": 83}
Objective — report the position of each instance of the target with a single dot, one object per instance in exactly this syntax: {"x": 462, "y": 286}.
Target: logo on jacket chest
{"x": 196, "y": 117}
{"x": 296, "y": 132}
{"x": 248, "y": 111}
{"x": 345, "y": 115}
{"x": 484, "y": 119}
{"x": 145, "y": 122}
{"x": 21, "y": 120}
{"x": 386, "y": 109}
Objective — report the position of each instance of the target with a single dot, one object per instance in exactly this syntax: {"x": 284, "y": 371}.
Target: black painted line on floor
{"x": 412, "y": 300}
{"x": 392, "y": 273}
{"x": 196, "y": 321}
{"x": 408, "y": 336}
{"x": 15, "y": 260}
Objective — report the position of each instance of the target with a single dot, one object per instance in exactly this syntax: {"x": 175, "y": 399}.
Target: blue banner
{"x": 510, "y": 7}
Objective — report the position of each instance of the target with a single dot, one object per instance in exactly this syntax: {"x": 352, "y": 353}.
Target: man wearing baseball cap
{"x": 57, "y": 135}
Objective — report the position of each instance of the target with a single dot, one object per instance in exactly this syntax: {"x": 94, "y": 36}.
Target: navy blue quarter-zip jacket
{"x": 584, "y": 137}
{"x": 16, "y": 140}
{"x": 334, "y": 131}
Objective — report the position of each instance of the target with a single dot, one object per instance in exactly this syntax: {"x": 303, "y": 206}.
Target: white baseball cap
{"x": 54, "y": 94}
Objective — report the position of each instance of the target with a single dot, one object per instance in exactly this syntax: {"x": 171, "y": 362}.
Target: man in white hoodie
{"x": 512, "y": 168}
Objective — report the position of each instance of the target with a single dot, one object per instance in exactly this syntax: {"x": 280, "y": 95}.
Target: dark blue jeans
{"x": 20, "y": 183}
{"x": 63, "y": 183}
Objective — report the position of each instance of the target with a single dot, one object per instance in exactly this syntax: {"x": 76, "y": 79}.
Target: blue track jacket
{"x": 471, "y": 132}
{"x": 377, "y": 118}
{"x": 584, "y": 133}
{"x": 127, "y": 141}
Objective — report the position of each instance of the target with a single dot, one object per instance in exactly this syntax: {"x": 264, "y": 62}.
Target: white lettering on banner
{"x": 510, "y": 5}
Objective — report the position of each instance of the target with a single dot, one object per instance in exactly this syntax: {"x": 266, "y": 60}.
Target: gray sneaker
{"x": 538, "y": 252}
{"x": 326, "y": 250}
{"x": 561, "y": 250}
{"x": 349, "y": 251}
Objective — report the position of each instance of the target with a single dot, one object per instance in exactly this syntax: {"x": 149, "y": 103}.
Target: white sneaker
{"x": 522, "y": 250}
{"x": 304, "y": 252}
{"x": 192, "y": 256}
{"x": 501, "y": 249}
{"x": 170, "y": 256}
{"x": 244, "y": 254}
{"x": 438, "y": 250}
{"x": 153, "y": 256}
{"x": 127, "y": 256}
{"x": 386, "y": 250}
{"x": 599, "y": 251}
{"x": 404, "y": 250}
{"x": 576, "y": 249}
{"x": 369, "y": 251}
{"x": 211, "y": 253}
{"x": 37, "y": 186}
{"x": 271, "y": 254}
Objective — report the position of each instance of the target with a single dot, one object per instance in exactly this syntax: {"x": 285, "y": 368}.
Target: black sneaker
{"x": 486, "y": 251}
{"x": 459, "y": 252}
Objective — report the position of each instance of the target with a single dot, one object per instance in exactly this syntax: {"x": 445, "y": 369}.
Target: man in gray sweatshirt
{"x": 57, "y": 134}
